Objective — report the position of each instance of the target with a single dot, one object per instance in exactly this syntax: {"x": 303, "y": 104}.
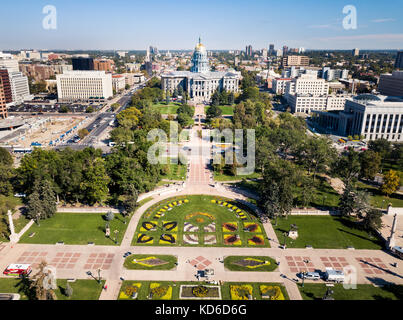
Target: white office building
{"x": 84, "y": 86}
{"x": 279, "y": 85}
{"x": 373, "y": 117}
{"x": 19, "y": 87}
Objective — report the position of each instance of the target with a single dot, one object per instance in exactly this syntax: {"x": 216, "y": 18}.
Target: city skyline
{"x": 133, "y": 25}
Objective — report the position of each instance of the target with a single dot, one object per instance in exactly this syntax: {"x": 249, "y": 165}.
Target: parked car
{"x": 310, "y": 276}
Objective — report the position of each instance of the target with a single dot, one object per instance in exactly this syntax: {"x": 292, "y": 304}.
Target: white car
{"x": 310, "y": 276}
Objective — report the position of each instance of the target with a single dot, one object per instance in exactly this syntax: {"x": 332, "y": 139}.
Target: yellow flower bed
{"x": 252, "y": 243}
{"x": 275, "y": 292}
{"x": 265, "y": 263}
{"x": 225, "y": 229}
{"x": 140, "y": 261}
{"x": 257, "y": 230}
{"x": 238, "y": 242}
{"x": 240, "y": 292}
{"x": 154, "y": 288}
{"x": 167, "y": 242}
{"x": 142, "y": 229}
{"x": 135, "y": 287}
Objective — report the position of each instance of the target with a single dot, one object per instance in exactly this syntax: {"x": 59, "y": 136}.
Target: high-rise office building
{"x": 399, "y": 60}
{"x": 19, "y": 87}
{"x": 6, "y": 85}
{"x": 271, "y": 49}
{"x": 391, "y": 84}
{"x": 83, "y": 64}
{"x": 249, "y": 51}
{"x": 285, "y": 50}
{"x": 3, "y": 106}
{"x": 356, "y": 52}
{"x": 84, "y": 86}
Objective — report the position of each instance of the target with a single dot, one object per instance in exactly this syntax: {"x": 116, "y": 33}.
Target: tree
{"x": 90, "y": 109}
{"x": 391, "y": 183}
{"x": 64, "y": 109}
{"x": 347, "y": 166}
{"x": 5, "y": 157}
{"x": 95, "y": 182}
{"x": 41, "y": 203}
{"x": 213, "y": 112}
{"x": 316, "y": 154}
{"x": 82, "y": 133}
{"x": 231, "y": 98}
{"x": 43, "y": 283}
{"x": 284, "y": 174}
{"x": 215, "y": 99}
{"x": 167, "y": 97}
{"x": 353, "y": 201}
{"x": 370, "y": 163}
{"x": 184, "y": 119}
{"x": 372, "y": 221}
{"x": 270, "y": 201}
{"x": 381, "y": 146}
{"x": 184, "y": 108}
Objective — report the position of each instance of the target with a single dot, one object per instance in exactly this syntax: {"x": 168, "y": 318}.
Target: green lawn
{"x": 176, "y": 172}
{"x": 226, "y": 176}
{"x": 164, "y": 108}
{"x": 82, "y": 289}
{"x": 199, "y": 212}
{"x": 144, "y": 201}
{"x": 323, "y": 195}
{"x": 76, "y": 228}
{"x": 230, "y": 263}
{"x": 20, "y": 223}
{"x": 144, "y": 289}
{"x": 378, "y": 199}
{"x": 316, "y": 291}
{"x": 226, "y": 110}
{"x": 325, "y": 232}
{"x": 128, "y": 264}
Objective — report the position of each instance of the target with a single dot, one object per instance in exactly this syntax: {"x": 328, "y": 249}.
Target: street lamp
{"x": 99, "y": 275}
{"x": 285, "y": 239}
{"x": 303, "y": 278}
{"x": 116, "y": 236}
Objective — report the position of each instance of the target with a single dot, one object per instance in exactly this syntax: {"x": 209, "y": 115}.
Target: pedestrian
{"x": 105, "y": 287}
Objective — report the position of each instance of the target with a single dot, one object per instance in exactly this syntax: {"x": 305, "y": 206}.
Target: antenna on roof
{"x": 199, "y": 39}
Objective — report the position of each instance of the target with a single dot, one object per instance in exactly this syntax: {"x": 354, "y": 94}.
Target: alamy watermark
{"x": 350, "y": 20}
{"x": 49, "y": 22}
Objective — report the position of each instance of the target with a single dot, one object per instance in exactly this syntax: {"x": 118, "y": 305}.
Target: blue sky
{"x": 222, "y": 24}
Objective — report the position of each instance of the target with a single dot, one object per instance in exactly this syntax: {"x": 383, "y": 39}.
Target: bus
{"x": 18, "y": 269}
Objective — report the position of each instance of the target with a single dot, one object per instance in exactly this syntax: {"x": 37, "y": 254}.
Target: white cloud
{"x": 383, "y": 20}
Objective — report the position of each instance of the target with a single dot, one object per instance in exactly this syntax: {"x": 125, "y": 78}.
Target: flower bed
{"x": 200, "y": 292}
{"x": 170, "y": 226}
{"x": 241, "y": 292}
{"x": 231, "y": 239}
{"x": 256, "y": 240}
{"x": 160, "y": 292}
{"x": 148, "y": 226}
{"x": 130, "y": 292}
{"x": 167, "y": 238}
{"x": 252, "y": 227}
{"x": 251, "y": 263}
{"x": 230, "y": 227}
{"x": 271, "y": 292}
{"x": 143, "y": 238}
